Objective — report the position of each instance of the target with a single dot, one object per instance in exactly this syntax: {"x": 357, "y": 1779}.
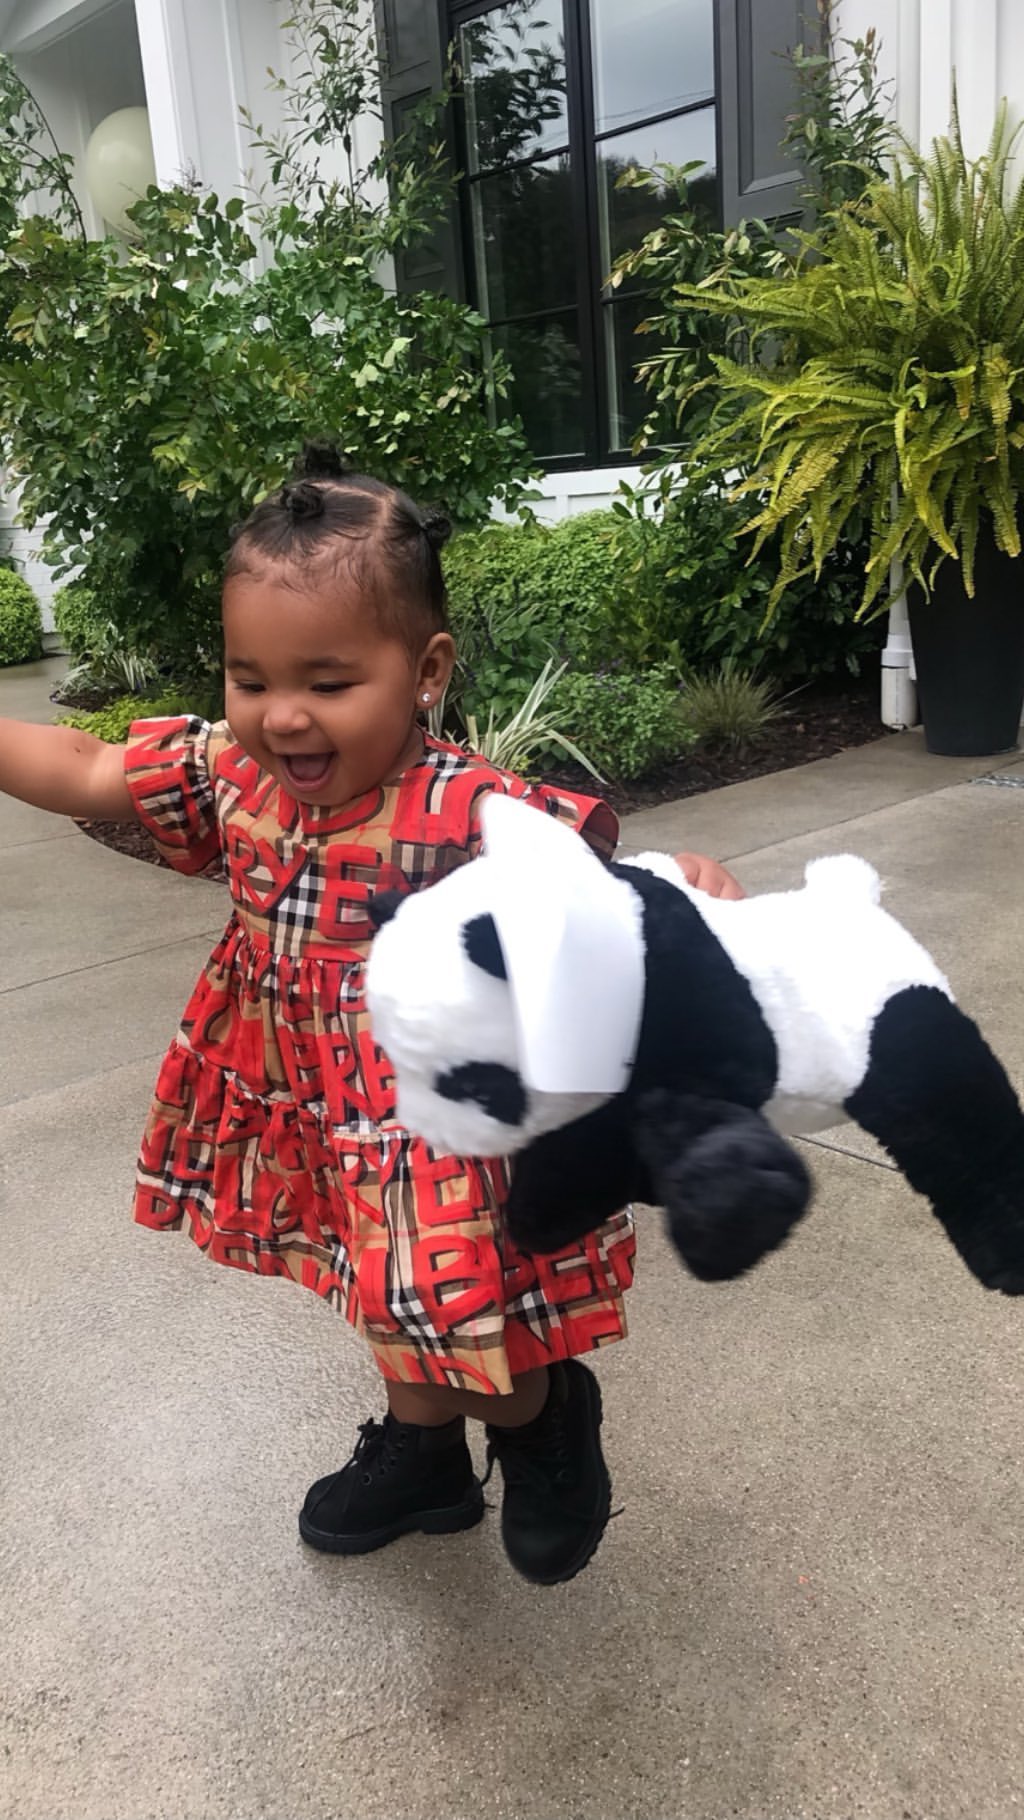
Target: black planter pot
{"x": 969, "y": 655}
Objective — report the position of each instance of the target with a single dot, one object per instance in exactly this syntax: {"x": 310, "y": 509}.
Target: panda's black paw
{"x": 731, "y": 1187}
{"x": 992, "y": 1249}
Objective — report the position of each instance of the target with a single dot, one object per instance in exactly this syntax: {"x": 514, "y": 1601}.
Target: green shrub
{"x": 557, "y": 584}
{"x": 113, "y": 723}
{"x": 626, "y": 723}
{"x": 690, "y": 592}
{"x": 21, "y": 624}
{"x": 535, "y": 728}
{"x": 79, "y": 618}
{"x": 147, "y": 399}
{"x": 626, "y": 586}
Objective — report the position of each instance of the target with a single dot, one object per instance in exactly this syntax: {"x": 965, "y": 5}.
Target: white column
{"x": 172, "y": 118}
{"x": 205, "y": 60}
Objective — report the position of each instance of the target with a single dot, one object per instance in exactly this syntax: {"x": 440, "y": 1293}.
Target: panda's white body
{"x": 625, "y": 1037}
{"x": 821, "y": 962}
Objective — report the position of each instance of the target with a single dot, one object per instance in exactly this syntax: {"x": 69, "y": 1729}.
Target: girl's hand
{"x": 707, "y": 875}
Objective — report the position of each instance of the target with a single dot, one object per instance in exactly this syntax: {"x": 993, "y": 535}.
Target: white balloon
{"x": 119, "y": 165}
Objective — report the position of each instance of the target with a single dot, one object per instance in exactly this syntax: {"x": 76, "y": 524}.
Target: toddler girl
{"x": 272, "y": 1136}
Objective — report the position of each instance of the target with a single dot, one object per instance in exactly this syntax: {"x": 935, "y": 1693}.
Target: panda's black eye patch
{"x": 498, "y": 1091}
{"x": 480, "y": 940}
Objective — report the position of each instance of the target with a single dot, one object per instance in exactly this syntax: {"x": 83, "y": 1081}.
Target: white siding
{"x": 926, "y": 43}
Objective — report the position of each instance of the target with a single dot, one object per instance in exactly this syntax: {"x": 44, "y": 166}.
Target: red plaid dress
{"x": 272, "y": 1132}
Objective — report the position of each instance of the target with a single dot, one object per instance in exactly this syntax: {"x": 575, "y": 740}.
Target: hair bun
{"x": 437, "y": 529}
{"x": 321, "y": 459}
{"x": 302, "y": 500}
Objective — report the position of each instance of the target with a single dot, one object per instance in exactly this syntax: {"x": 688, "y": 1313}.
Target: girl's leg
{"x": 415, "y": 1472}
{"x": 546, "y": 1437}
{"x": 431, "y": 1405}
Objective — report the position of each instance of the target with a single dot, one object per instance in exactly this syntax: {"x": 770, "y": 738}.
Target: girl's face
{"x": 317, "y": 694}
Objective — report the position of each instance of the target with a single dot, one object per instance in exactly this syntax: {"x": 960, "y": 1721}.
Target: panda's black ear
{"x": 480, "y": 940}
{"x": 382, "y": 907}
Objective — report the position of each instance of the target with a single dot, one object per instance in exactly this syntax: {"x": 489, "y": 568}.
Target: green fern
{"x": 890, "y": 355}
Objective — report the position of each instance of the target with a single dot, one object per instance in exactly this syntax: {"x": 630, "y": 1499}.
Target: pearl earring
{"x": 426, "y": 698}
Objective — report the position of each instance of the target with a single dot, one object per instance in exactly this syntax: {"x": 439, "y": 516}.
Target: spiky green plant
{"x": 731, "y": 707}
{"x": 533, "y": 728}
{"x": 885, "y": 377}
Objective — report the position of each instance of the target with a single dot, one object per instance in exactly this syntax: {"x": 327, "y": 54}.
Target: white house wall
{"x": 926, "y": 42}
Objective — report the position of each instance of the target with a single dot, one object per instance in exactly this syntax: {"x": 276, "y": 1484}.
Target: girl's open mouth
{"x": 307, "y": 770}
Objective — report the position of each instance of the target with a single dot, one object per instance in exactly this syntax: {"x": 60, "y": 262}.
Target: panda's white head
{"x": 508, "y": 996}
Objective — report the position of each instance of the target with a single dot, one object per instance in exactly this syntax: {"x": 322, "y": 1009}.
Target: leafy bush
{"x": 690, "y": 590}
{"x": 628, "y": 585}
{"x": 731, "y": 707}
{"x": 627, "y": 723}
{"x": 21, "y": 624}
{"x": 78, "y": 617}
{"x": 149, "y": 393}
{"x": 113, "y": 723}
{"x": 839, "y": 134}
{"x": 112, "y": 668}
{"x": 531, "y": 588}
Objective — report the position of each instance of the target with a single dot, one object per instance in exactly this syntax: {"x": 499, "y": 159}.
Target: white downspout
{"x": 899, "y": 677}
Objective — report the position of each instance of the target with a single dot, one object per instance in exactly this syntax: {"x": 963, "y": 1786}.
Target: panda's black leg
{"x": 570, "y": 1181}
{"x": 940, "y": 1103}
{"x": 731, "y": 1187}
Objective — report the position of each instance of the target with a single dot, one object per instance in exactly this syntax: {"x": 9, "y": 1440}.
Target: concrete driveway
{"x": 812, "y": 1602}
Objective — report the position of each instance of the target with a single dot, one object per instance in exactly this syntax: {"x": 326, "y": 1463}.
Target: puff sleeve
{"x": 168, "y": 772}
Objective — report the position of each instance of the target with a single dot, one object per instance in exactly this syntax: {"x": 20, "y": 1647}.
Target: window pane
{"x": 547, "y": 391}
{"x": 628, "y": 398}
{"x": 650, "y": 56}
{"x": 522, "y": 240}
{"x": 627, "y": 215}
{"x": 513, "y": 77}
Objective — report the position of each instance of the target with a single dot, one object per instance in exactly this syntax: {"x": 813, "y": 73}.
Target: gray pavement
{"x": 811, "y": 1604}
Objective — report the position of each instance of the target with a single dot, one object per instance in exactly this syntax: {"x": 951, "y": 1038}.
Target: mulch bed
{"x": 818, "y": 723}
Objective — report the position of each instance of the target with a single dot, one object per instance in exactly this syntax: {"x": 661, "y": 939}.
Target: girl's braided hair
{"x": 329, "y": 515}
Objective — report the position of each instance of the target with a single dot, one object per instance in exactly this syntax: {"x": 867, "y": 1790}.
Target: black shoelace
{"x": 377, "y": 1449}
{"x": 542, "y": 1461}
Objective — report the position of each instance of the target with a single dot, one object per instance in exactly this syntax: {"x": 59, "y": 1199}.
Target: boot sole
{"x": 444, "y": 1522}
{"x": 592, "y": 1540}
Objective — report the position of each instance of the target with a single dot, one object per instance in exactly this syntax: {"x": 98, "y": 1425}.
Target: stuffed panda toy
{"x": 627, "y": 1038}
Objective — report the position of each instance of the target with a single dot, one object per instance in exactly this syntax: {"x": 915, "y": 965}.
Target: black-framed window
{"x": 557, "y": 98}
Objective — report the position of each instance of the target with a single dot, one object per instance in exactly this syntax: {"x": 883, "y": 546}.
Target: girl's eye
{"x": 332, "y": 688}
{"x": 248, "y": 688}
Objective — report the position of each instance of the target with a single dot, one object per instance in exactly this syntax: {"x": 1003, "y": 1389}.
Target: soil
{"x": 818, "y": 723}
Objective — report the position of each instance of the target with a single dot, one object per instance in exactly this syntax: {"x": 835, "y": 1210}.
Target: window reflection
{"x": 628, "y": 399}
{"x": 627, "y": 215}
{"x": 650, "y": 57}
{"x": 514, "y": 86}
{"x": 522, "y": 235}
{"x": 542, "y": 149}
{"x": 547, "y": 387}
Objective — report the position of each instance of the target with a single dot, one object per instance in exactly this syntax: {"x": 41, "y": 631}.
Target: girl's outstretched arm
{"x": 64, "y": 770}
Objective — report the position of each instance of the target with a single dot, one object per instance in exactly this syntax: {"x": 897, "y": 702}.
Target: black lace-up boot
{"x": 557, "y": 1489}
{"x": 401, "y": 1477}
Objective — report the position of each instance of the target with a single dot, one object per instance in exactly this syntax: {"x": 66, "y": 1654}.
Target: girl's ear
{"x": 435, "y": 669}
